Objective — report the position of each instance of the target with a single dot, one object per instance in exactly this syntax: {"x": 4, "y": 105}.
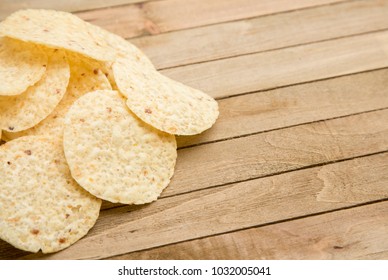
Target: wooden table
{"x": 296, "y": 166}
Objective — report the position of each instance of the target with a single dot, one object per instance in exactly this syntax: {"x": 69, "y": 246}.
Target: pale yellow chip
{"x": 42, "y": 207}
{"x": 163, "y": 103}
{"x": 58, "y": 30}
{"x": 113, "y": 154}
{"x": 38, "y": 101}
{"x": 64, "y": 30}
{"x": 85, "y": 76}
{"x": 21, "y": 65}
{"x": 125, "y": 49}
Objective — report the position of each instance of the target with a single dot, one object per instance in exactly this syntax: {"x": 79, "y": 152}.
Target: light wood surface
{"x": 272, "y": 69}
{"x": 9, "y": 6}
{"x": 261, "y": 34}
{"x": 296, "y": 166}
{"x": 157, "y": 17}
{"x": 353, "y": 233}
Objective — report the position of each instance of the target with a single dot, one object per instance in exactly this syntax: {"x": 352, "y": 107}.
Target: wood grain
{"x": 225, "y": 209}
{"x": 249, "y": 73}
{"x": 302, "y": 135}
{"x": 264, "y": 33}
{"x": 163, "y": 16}
{"x": 261, "y": 111}
{"x": 278, "y": 151}
{"x": 10, "y": 6}
{"x": 266, "y": 154}
{"x": 357, "y": 233}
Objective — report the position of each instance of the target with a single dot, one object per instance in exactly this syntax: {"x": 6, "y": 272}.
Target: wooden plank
{"x": 10, "y": 6}
{"x": 227, "y": 209}
{"x": 383, "y": 255}
{"x": 264, "y": 33}
{"x": 278, "y": 151}
{"x": 163, "y": 16}
{"x": 261, "y": 111}
{"x": 271, "y": 153}
{"x": 249, "y": 73}
{"x": 357, "y": 233}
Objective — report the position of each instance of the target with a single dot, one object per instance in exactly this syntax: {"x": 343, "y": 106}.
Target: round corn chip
{"x": 21, "y": 65}
{"x": 38, "y": 101}
{"x": 85, "y": 76}
{"x": 59, "y": 30}
{"x": 113, "y": 154}
{"x": 42, "y": 207}
{"x": 163, "y": 103}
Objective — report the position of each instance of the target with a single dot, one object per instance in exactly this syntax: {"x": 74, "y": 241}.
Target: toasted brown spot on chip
{"x": 14, "y": 220}
{"x": 148, "y": 111}
{"x": 35, "y": 231}
{"x": 62, "y": 240}
{"x": 28, "y": 152}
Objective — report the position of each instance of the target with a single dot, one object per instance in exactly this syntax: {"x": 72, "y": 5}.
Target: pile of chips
{"x": 85, "y": 116}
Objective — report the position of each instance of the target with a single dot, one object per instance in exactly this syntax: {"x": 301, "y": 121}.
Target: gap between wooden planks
{"x": 283, "y": 150}
{"x": 163, "y": 16}
{"x": 264, "y": 33}
{"x": 357, "y": 233}
{"x": 249, "y": 73}
{"x": 278, "y": 151}
{"x": 289, "y": 66}
{"x": 233, "y": 207}
{"x": 10, "y": 6}
{"x": 307, "y": 145}
{"x": 293, "y": 105}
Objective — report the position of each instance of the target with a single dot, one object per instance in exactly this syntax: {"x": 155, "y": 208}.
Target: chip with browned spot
{"x": 113, "y": 154}
{"x": 42, "y": 207}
